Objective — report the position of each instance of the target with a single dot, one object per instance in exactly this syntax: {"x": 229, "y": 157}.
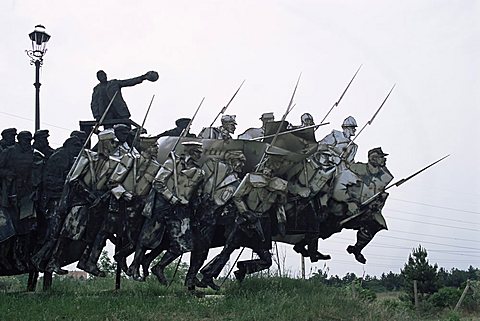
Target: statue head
{"x": 236, "y": 159}
{"x": 41, "y": 138}
{"x": 101, "y": 76}
{"x": 266, "y": 118}
{"x": 9, "y": 135}
{"x": 193, "y": 149}
{"x": 349, "y": 126}
{"x": 122, "y": 132}
{"x": 73, "y": 145}
{"x": 376, "y": 157}
{"x": 106, "y": 141}
{"x": 229, "y": 123}
{"x": 182, "y": 122}
{"x": 80, "y": 134}
{"x": 24, "y": 139}
{"x": 307, "y": 120}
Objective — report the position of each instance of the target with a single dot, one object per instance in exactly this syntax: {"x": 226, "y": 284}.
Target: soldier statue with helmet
{"x": 225, "y": 131}
{"x": 340, "y": 144}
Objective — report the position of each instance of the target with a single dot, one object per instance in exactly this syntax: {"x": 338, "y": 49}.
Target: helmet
{"x": 306, "y": 117}
{"x": 349, "y": 122}
{"x": 228, "y": 119}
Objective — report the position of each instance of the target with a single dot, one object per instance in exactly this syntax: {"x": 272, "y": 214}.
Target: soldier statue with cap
{"x": 167, "y": 210}
{"x": 182, "y": 124}
{"x": 258, "y": 192}
{"x": 258, "y": 132}
{"x": 41, "y": 152}
{"x": 106, "y": 89}
{"x": 118, "y": 200}
{"x": 82, "y": 205}
{"x": 54, "y": 174}
{"x": 310, "y": 187}
{"x": 221, "y": 181}
{"x": 225, "y": 131}
{"x": 340, "y": 144}
{"x": 16, "y": 174}
{"x": 352, "y": 201}
{"x": 8, "y": 138}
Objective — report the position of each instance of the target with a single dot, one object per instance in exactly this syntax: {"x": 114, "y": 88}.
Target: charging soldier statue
{"x": 258, "y": 132}
{"x": 54, "y": 175}
{"x": 221, "y": 181}
{"x": 225, "y": 131}
{"x": 258, "y": 194}
{"x": 357, "y": 200}
{"x": 137, "y": 183}
{"x": 118, "y": 200}
{"x": 310, "y": 187}
{"x": 8, "y": 138}
{"x": 82, "y": 204}
{"x": 167, "y": 209}
{"x": 339, "y": 143}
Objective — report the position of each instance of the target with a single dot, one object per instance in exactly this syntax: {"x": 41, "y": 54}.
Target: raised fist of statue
{"x": 151, "y": 76}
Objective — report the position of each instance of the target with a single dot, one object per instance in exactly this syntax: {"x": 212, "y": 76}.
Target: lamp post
{"x": 39, "y": 40}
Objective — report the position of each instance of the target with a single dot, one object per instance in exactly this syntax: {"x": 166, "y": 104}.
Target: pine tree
{"x": 418, "y": 268}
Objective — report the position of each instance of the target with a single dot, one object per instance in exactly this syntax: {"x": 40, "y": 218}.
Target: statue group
{"x": 176, "y": 192}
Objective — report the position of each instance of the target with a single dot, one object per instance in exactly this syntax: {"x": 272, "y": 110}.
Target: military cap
{"x": 24, "y": 134}
{"x": 267, "y": 116}
{"x": 78, "y": 133}
{"x": 182, "y": 122}
{"x": 71, "y": 141}
{"x": 376, "y": 150}
{"x": 234, "y": 154}
{"x": 228, "y": 119}
{"x": 122, "y": 127}
{"x": 9, "y": 131}
{"x": 107, "y": 134}
{"x": 147, "y": 141}
{"x": 41, "y": 133}
{"x": 192, "y": 145}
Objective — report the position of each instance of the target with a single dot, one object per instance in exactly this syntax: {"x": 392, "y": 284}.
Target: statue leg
{"x": 364, "y": 236}
{"x": 88, "y": 263}
{"x": 159, "y": 269}
{"x": 263, "y": 262}
{"x": 53, "y": 264}
{"x": 313, "y": 250}
{"x": 202, "y": 239}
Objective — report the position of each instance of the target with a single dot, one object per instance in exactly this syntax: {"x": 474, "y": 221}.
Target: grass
{"x": 275, "y": 299}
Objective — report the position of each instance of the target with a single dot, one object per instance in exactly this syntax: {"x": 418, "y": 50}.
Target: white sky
{"x": 206, "y": 48}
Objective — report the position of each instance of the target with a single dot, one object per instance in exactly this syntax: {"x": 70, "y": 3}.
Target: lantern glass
{"x": 39, "y": 40}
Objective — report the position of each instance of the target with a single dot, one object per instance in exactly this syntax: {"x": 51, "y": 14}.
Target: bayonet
{"x": 224, "y": 109}
{"x": 367, "y": 123}
{"x": 341, "y": 96}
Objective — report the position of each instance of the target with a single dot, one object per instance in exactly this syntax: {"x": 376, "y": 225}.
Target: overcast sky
{"x": 429, "y": 49}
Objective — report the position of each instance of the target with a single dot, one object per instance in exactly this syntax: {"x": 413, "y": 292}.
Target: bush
{"x": 445, "y": 297}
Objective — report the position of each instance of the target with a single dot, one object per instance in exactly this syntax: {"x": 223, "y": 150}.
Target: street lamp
{"x": 39, "y": 40}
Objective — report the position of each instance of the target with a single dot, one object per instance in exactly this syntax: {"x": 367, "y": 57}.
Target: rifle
{"x": 95, "y": 129}
{"x": 172, "y": 152}
{"x": 224, "y": 109}
{"x": 341, "y": 96}
{"x": 368, "y": 123}
{"x": 289, "y": 109}
{"x": 398, "y": 183}
{"x": 137, "y": 135}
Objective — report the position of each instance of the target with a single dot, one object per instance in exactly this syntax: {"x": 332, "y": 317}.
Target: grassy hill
{"x": 269, "y": 299}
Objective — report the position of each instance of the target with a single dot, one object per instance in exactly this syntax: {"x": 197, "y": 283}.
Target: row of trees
{"x": 430, "y": 279}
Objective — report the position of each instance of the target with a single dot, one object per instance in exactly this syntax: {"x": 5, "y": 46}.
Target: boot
{"x": 358, "y": 255}
{"x": 313, "y": 251}
{"x": 158, "y": 269}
